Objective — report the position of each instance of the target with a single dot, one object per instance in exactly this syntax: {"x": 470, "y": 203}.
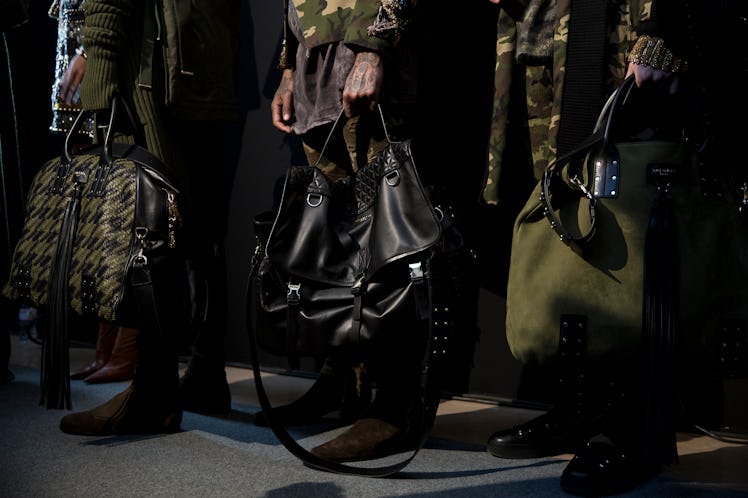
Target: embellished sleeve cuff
{"x": 392, "y": 19}
{"x": 54, "y": 10}
{"x": 651, "y": 51}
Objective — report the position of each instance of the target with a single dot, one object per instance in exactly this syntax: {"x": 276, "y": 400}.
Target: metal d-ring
{"x": 313, "y": 200}
{"x": 392, "y": 178}
{"x": 439, "y": 213}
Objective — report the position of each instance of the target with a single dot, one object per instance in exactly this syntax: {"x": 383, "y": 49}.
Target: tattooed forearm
{"x": 286, "y": 81}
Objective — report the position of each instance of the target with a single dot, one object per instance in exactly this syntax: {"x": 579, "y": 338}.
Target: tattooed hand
{"x": 282, "y": 105}
{"x": 363, "y": 84}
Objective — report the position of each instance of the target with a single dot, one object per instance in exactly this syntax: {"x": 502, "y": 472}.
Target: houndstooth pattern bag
{"x": 114, "y": 206}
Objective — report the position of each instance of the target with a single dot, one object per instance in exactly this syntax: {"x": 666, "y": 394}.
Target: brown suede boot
{"x": 121, "y": 365}
{"x": 104, "y": 346}
{"x": 367, "y": 439}
{"x": 129, "y": 412}
{"x": 348, "y": 390}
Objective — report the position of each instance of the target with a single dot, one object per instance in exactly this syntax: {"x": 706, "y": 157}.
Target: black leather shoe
{"x": 553, "y": 433}
{"x": 601, "y": 468}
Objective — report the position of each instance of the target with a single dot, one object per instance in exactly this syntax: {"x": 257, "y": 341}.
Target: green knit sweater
{"x": 113, "y": 39}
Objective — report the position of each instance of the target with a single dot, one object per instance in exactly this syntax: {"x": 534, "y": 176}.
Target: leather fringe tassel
{"x": 55, "y": 381}
{"x": 659, "y": 327}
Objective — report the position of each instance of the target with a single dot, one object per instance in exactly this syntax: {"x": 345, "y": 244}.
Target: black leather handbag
{"x": 350, "y": 255}
{"x": 351, "y": 265}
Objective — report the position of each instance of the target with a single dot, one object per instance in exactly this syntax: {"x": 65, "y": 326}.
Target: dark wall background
{"x": 262, "y": 160}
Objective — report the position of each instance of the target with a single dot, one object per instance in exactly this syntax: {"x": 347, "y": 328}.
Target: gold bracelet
{"x": 82, "y": 52}
{"x": 283, "y": 62}
{"x": 651, "y": 51}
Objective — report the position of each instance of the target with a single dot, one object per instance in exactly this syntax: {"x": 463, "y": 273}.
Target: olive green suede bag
{"x": 621, "y": 240}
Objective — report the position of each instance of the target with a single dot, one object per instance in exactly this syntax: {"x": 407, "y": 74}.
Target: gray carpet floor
{"x": 230, "y": 457}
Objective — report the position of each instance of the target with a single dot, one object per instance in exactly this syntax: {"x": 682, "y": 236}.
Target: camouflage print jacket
{"x": 545, "y": 83}
{"x": 327, "y": 21}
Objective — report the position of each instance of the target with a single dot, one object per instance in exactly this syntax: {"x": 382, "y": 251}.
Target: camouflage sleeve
{"x": 357, "y": 35}
{"x": 327, "y": 21}
{"x": 642, "y": 19}
{"x": 505, "y": 50}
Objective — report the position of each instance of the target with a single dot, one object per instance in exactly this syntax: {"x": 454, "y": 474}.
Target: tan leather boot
{"x": 121, "y": 365}
{"x": 104, "y": 346}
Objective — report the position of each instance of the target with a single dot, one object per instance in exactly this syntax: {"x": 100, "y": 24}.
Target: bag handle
{"x": 607, "y": 161}
{"x": 117, "y": 102}
{"x": 280, "y": 431}
{"x": 340, "y": 120}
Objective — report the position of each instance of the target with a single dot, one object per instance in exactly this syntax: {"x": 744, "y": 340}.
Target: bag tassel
{"x": 659, "y": 312}
{"x": 55, "y": 381}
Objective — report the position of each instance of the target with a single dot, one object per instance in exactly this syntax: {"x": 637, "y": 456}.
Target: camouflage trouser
{"x": 523, "y": 105}
{"x": 362, "y": 136}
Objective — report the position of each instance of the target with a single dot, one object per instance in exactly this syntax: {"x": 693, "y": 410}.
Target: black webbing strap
{"x": 583, "y": 82}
